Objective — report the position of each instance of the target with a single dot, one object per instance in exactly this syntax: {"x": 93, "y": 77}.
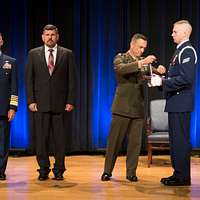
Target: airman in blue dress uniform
{"x": 179, "y": 89}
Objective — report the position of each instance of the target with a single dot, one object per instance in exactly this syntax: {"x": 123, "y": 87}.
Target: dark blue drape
{"x": 97, "y": 40}
{"x": 96, "y": 31}
{"x": 13, "y": 23}
{"x": 18, "y": 49}
{"x": 104, "y": 42}
{"x": 195, "y": 125}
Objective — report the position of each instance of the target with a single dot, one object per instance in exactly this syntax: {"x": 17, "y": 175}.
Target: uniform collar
{"x": 181, "y": 43}
{"x": 132, "y": 56}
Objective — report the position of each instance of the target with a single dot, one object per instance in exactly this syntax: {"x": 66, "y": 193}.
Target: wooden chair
{"x": 157, "y": 128}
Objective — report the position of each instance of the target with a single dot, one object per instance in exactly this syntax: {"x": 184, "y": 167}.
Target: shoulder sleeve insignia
{"x": 186, "y": 60}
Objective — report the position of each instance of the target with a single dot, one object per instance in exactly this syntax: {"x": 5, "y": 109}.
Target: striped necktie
{"x": 50, "y": 61}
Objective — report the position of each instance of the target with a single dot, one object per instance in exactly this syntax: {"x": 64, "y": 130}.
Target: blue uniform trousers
{"x": 4, "y": 142}
{"x": 180, "y": 147}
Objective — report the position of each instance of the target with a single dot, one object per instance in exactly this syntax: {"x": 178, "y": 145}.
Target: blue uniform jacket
{"x": 179, "y": 86}
{"x": 8, "y": 85}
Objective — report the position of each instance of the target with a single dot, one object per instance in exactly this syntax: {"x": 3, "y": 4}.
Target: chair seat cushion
{"x": 158, "y": 137}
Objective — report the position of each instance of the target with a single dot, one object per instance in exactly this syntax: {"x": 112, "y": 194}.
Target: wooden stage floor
{"x": 82, "y": 181}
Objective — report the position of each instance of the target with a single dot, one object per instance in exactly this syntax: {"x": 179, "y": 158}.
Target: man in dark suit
{"x": 50, "y": 93}
{"x": 8, "y": 104}
{"x": 128, "y": 106}
{"x": 179, "y": 88}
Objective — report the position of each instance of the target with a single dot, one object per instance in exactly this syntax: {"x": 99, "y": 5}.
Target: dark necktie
{"x": 50, "y": 61}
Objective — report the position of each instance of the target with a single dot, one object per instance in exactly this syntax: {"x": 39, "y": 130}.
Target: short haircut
{"x": 138, "y": 36}
{"x": 50, "y": 27}
{"x": 186, "y": 23}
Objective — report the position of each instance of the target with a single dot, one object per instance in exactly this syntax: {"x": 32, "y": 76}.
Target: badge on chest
{"x": 174, "y": 60}
{"x": 7, "y": 65}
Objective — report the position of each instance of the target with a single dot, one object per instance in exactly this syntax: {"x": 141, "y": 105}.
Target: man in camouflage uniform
{"x": 8, "y": 104}
{"x": 128, "y": 106}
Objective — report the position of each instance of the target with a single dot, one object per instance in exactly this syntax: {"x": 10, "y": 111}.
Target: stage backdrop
{"x": 96, "y": 31}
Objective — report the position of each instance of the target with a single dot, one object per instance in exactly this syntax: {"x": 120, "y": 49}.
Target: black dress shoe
{"x": 2, "y": 177}
{"x": 132, "y": 178}
{"x": 58, "y": 176}
{"x": 162, "y": 180}
{"x": 43, "y": 177}
{"x": 177, "y": 182}
{"x": 105, "y": 177}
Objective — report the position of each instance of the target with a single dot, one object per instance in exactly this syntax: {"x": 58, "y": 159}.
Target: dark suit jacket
{"x": 8, "y": 85}
{"x": 129, "y": 96}
{"x": 51, "y": 93}
{"x": 179, "y": 86}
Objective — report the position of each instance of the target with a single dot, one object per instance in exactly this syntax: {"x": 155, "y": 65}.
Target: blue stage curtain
{"x": 13, "y": 24}
{"x": 107, "y": 36}
{"x": 108, "y": 32}
{"x": 96, "y": 30}
{"x": 195, "y": 125}
{"x": 18, "y": 49}
{"x": 100, "y": 32}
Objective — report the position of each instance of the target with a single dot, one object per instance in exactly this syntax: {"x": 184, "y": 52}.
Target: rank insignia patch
{"x": 186, "y": 60}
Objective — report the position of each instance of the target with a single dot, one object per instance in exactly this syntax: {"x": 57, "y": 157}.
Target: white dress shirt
{"x": 47, "y": 52}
